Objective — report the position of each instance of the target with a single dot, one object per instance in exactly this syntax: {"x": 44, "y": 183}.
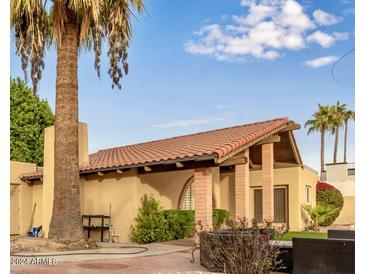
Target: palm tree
{"x": 337, "y": 121}
{"x": 70, "y": 25}
{"x": 319, "y": 213}
{"x": 320, "y": 123}
{"x": 347, "y": 115}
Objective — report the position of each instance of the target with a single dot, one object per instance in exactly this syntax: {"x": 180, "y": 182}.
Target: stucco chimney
{"x": 48, "y": 169}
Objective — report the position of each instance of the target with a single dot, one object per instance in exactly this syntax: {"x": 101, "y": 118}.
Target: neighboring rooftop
{"x": 213, "y": 144}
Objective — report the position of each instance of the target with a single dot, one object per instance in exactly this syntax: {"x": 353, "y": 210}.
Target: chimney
{"x": 48, "y": 169}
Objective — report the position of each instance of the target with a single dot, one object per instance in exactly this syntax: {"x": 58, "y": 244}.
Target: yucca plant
{"x": 70, "y": 25}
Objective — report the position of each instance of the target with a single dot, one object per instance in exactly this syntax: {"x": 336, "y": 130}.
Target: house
{"x": 253, "y": 170}
{"x": 342, "y": 177}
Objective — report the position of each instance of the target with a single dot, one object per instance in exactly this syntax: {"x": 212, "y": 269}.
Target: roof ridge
{"x": 193, "y": 134}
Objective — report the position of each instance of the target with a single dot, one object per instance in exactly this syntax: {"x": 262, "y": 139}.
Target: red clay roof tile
{"x": 215, "y": 143}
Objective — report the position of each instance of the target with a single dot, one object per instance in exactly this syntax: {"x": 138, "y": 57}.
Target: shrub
{"x": 239, "y": 249}
{"x": 151, "y": 226}
{"x": 332, "y": 197}
{"x": 180, "y": 223}
{"x": 320, "y": 214}
{"x": 156, "y": 225}
{"x": 219, "y": 217}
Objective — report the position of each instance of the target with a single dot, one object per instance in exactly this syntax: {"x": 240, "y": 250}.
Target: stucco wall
{"x": 27, "y": 196}
{"x": 124, "y": 191}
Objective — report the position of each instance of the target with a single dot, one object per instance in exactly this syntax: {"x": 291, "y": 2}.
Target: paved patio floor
{"x": 159, "y": 259}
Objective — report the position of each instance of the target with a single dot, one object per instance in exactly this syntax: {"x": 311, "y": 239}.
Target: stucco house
{"x": 253, "y": 170}
{"x": 342, "y": 177}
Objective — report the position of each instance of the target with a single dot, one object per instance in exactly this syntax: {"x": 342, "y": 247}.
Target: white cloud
{"x": 320, "y": 62}
{"x": 324, "y": 18}
{"x": 326, "y": 40}
{"x": 264, "y": 31}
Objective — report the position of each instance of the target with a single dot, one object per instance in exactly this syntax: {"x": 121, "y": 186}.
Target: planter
{"x": 228, "y": 240}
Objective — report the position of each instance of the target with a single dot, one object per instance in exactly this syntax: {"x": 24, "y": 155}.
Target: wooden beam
{"x": 147, "y": 169}
{"x": 270, "y": 139}
{"x": 179, "y": 164}
{"x": 285, "y": 164}
{"x": 100, "y": 173}
{"x": 173, "y": 167}
{"x": 238, "y": 159}
{"x": 294, "y": 147}
{"x": 119, "y": 171}
{"x": 254, "y": 166}
{"x": 292, "y": 126}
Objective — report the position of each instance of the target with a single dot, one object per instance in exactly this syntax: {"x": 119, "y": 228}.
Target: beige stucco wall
{"x": 124, "y": 191}
{"x": 337, "y": 175}
{"x": 27, "y": 196}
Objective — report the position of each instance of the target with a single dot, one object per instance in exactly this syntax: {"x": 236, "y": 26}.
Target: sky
{"x": 208, "y": 64}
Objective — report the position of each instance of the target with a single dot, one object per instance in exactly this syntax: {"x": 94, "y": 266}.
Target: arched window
{"x": 186, "y": 199}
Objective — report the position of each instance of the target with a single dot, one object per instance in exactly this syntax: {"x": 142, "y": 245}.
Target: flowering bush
{"x": 332, "y": 197}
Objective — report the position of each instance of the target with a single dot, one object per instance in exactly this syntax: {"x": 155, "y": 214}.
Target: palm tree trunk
{"x": 336, "y": 146}
{"x": 66, "y": 223}
{"x": 322, "y": 153}
{"x": 345, "y": 143}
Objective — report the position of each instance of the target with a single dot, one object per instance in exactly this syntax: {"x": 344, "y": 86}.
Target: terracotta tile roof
{"x": 210, "y": 144}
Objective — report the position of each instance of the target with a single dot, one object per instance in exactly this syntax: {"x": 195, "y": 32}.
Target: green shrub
{"x": 180, "y": 223}
{"x": 151, "y": 226}
{"x": 332, "y": 197}
{"x": 156, "y": 225}
{"x": 320, "y": 214}
{"x": 219, "y": 217}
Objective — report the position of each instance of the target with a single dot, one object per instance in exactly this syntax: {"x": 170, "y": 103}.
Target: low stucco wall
{"x": 23, "y": 197}
{"x": 347, "y": 215}
{"x": 347, "y": 189}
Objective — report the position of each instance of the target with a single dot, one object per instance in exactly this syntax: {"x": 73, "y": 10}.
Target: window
{"x": 280, "y": 205}
{"x": 187, "y": 196}
{"x": 258, "y": 204}
{"x": 188, "y": 200}
{"x": 308, "y": 194}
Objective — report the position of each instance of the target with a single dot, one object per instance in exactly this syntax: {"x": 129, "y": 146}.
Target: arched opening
{"x": 186, "y": 199}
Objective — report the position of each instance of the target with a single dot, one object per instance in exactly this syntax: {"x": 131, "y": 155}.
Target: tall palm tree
{"x": 69, "y": 25}
{"x": 347, "y": 116}
{"x": 320, "y": 123}
{"x": 337, "y": 121}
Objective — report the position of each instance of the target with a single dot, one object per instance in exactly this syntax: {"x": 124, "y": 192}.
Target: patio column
{"x": 203, "y": 181}
{"x": 242, "y": 188}
{"x": 268, "y": 181}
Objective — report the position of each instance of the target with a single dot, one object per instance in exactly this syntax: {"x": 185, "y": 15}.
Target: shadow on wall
{"x": 305, "y": 217}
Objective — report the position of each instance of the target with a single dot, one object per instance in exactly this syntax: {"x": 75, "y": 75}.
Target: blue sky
{"x": 200, "y": 65}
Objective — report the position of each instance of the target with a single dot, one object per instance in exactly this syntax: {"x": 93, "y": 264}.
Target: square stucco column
{"x": 242, "y": 189}
{"x": 268, "y": 181}
{"x": 203, "y": 181}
